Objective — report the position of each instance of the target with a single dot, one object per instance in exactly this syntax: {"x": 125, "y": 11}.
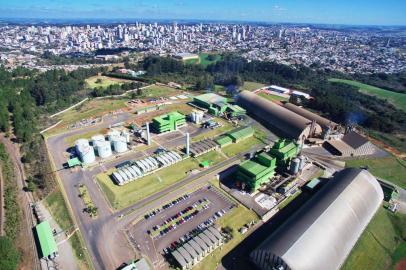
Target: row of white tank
{"x": 116, "y": 139}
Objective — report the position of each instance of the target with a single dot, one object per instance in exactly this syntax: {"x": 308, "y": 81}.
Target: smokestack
{"x": 148, "y": 134}
{"x": 187, "y": 144}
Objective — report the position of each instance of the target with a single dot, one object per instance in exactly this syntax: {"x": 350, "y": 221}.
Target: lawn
{"x": 251, "y": 86}
{"x": 397, "y": 99}
{"x": 158, "y": 91}
{"x": 389, "y": 168}
{"x": 213, "y": 157}
{"x": 204, "y": 61}
{"x": 273, "y": 97}
{"x": 379, "y": 246}
{"x": 105, "y": 82}
{"x": 56, "y": 205}
{"x": 122, "y": 196}
{"x": 234, "y": 219}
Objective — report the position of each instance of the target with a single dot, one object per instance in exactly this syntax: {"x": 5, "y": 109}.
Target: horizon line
{"x": 116, "y": 20}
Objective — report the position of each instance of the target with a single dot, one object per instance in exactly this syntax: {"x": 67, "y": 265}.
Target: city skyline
{"x": 293, "y": 11}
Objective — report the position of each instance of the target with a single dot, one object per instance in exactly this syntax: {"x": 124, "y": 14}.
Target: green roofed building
{"x": 218, "y": 105}
{"x": 46, "y": 239}
{"x": 241, "y": 133}
{"x": 224, "y": 141}
{"x": 284, "y": 151}
{"x": 257, "y": 171}
{"x": 168, "y": 122}
{"x": 73, "y": 162}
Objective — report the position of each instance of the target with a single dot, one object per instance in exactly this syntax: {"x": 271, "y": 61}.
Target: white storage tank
{"x": 113, "y": 133}
{"x": 302, "y": 162}
{"x": 119, "y": 144}
{"x": 294, "y": 166}
{"x": 103, "y": 149}
{"x": 86, "y": 154}
{"x": 79, "y": 144}
{"x": 97, "y": 138}
{"x": 126, "y": 135}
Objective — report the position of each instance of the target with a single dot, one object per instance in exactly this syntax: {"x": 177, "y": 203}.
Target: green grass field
{"x": 273, "y": 97}
{"x": 56, "y": 205}
{"x": 235, "y": 219}
{"x": 122, "y": 196}
{"x": 92, "y": 82}
{"x": 397, "y": 99}
{"x": 379, "y": 246}
{"x": 233, "y": 149}
{"x": 389, "y": 168}
{"x": 204, "y": 61}
{"x": 87, "y": 135}
{"x": 158, "y": 91}
{"x": 251, "y": 86}
{"x": 213, "y": 157}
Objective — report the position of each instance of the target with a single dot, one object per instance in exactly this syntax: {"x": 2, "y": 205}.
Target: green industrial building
{"x": 168, "y": 122}
{"x": 218, "y": 105}
{"x": 257, "y": 171}
{"x": 284, "y": 151}
{"x": 47, "y": 244}
{"x": 235, "y": 136}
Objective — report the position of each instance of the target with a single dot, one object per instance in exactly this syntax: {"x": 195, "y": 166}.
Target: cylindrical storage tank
{"x": 112, "y": 133}
{"x": 126, "y": 135}
{"x": 97, "y": 138}
{"x": 294, "y": 166}
{"x": 103, "y": 149}
{"x": 86, "y": 154}
{"x": 302, "y": 162}
{"x": 119, "y": 144}
{"x": 80, "y": 143}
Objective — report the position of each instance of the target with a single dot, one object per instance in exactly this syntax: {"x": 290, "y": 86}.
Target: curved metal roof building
{"x": 323, "y": 122}
{"x": 287, "y": 122}
{"x": 321, "y": 234}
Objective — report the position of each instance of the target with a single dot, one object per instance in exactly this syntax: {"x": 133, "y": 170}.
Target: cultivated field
{"x": 389, "y": 168}
{"x": 397, "y": 99}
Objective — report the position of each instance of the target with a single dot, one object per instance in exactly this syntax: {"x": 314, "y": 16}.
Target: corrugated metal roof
{"x": 287, "y": 122}
{"x": 321, "y": 234}
{"x": 310, "y": 115}
{"x": 46, "y": 239}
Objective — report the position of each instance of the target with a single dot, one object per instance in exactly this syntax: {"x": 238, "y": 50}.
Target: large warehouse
{"x": 323, "y": 122}
{"x": 321, "y": 234}
{"x": 288, "y": 123}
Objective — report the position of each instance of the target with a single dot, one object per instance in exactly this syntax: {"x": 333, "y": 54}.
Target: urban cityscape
{"x": 203, "y": 135}
{"x": 343, "y": 50}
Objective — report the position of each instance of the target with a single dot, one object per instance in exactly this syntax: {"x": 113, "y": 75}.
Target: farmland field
{"x": 389, "y": 168}
{"x": 397, "y": 99}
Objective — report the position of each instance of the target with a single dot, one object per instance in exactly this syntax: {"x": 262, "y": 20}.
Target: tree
{"x": 99, "y": 81}
{"x": 8, "y": 254}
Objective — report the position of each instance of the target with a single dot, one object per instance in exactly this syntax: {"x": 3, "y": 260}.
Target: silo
{"x": 97, "y": 138}
{"x": 86, "y": 154}
{"x": 126, "y": 135}
{"x": 119, "y": 144}
{"x": 294, "y": 166}
{"x": 112, "y": 133}
{"x": 103, "y": 149}
{"x": 302, "y": 162}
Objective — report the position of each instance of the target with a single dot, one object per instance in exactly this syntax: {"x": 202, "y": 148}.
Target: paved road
{"x": 104, "y": 236}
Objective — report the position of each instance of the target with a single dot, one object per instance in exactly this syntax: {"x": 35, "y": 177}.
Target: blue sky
{"x": 376, "y": 12}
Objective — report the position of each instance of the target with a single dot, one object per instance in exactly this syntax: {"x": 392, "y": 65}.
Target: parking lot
{"x": 151, "y": 235}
